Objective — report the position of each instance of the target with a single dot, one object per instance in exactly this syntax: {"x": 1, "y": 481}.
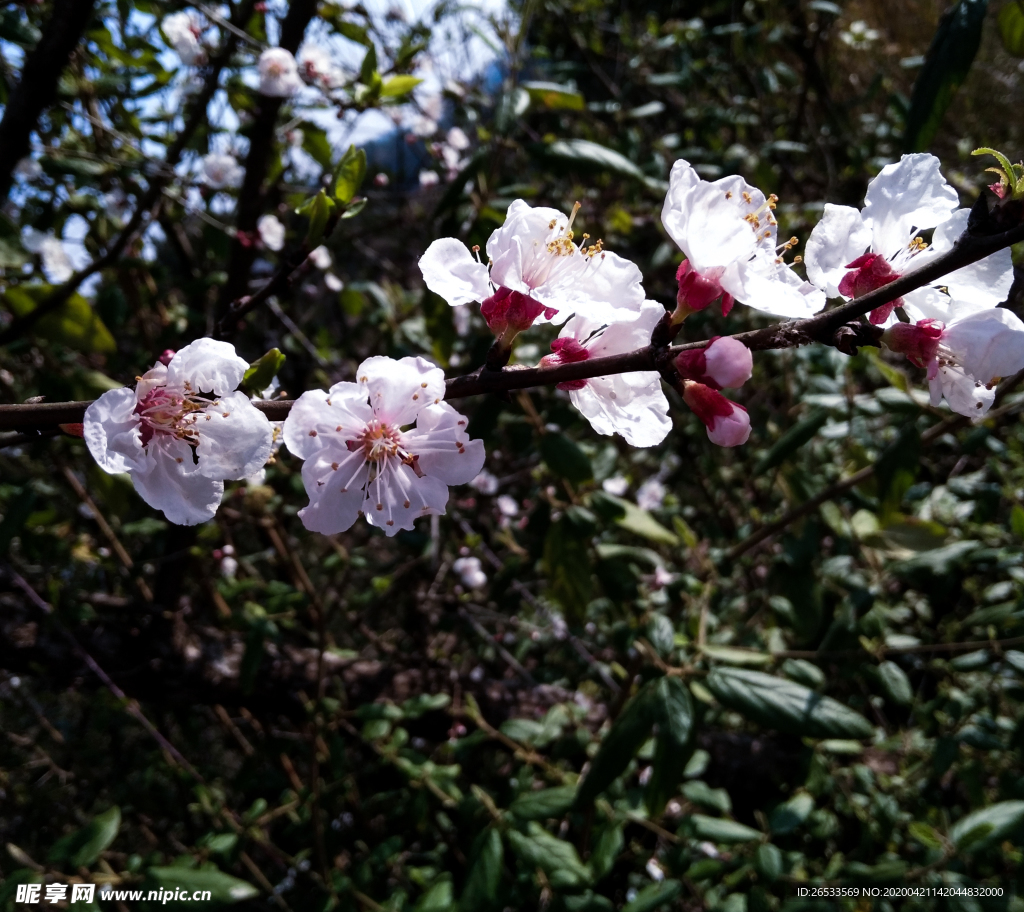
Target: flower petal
{"x": 172, "y": 484}
{"x": 965, "y": 395}
{"x": 909, "y": 194}
{"x": 989, "y": 344}
{"x": 397, "y": 498}
{"x": 839, "y": 238}
{"x": 436, "y": 441}
{"x": 208, "y": 366}
{"x": 452, "y": 272}
{"x": 235, "y": 438}
{"x": 632, "y": 405}
{"x": 399, "y": 390}
{"x": 316, "y": 416}
{"x": 772, "y": 287}
{"x": 983, "y": 284}
{"x": 111, "y": 431}
{"x": 335, "y": 494}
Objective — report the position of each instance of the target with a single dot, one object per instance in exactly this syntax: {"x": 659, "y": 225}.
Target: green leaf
{"x": 626, "y": 736}
{"x": 424, "y": 703}
{"x": 354, "y": 32}
{"x": 349, "y": 175}
{"x": 565, "y": 459}
{"x": 987, "y": 826}
{"x": 83, "y": 847}
{"x": 1011, "y": 28}
{"x": 897, "y": 468}
{"x": 439, "y": 898}
{"x": 946, "y": 65}
{"x": 223, "y": 887}
{"x": 730, "y": 655}
{"x": 785, "y": 705}
{"x": 715, "y": 829}
{"x": 925, "y": 834}
{"x": 790, "y": 814}
{"x": 399, "y": 85}
{"x": 262, "y": 371}
{"x": 557, "y": 858}
{"x": 318, "y": 210}
{"x": 368, "y": 70}
{"x": 1017, "y": 521}
{"x": 768, "y": 862}
{"x": 541, "y": 805}
{"x": 607, "y": 848}
{"x": 316, "y": 143}
{"x": 674, "y": 716}
{"x": 354, "y": 208}
{"x": 567, "y": 564}
{"x": 74, "y": 324}
{"x": 481, "y": 889}
{"x": 792, "y": 440}
{"x": 895, "y": 683}
{"x": 653, "y": 896}
{"x": 701, "y": 793}
{"x": 554, "y": 97}
{"x": 582, "y": 152}
{"x": 640, "y": 522}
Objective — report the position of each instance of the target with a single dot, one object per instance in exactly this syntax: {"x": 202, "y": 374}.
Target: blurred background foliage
{"x": 360, "y": 723}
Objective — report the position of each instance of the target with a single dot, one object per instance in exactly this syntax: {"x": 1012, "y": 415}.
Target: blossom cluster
{"x": 387, "y": 446}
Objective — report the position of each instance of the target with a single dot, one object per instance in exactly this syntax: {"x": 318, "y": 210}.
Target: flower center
{"x": 165, "y": 411}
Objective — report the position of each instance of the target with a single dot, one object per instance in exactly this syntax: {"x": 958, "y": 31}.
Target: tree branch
{"x": 832, "y": 327}
{"x": 38, "y": 86}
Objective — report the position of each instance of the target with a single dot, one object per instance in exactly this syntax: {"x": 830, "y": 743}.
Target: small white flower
{"x": 271, "y": 232}
{"x": 729, "y": 234}
{"x": 321, "y": 257}
{"x": 616, "y": 485}
{"x": 57, "y": 266}
{"x": 177, "y": 443}
{"x": 651, "y": 494}
{"x": 633, "y": 404}
{"x": 279, "y": 74}
{"x": 859, "y": 35}
{"x": 851, "y": 252}
{"x": 221, "y": 170}
{"x": 333, "y": 283}
{"x": 182, "y": 31}
{"x": 654, "y": 870}
{"x": 360, "y": 460}
{"x": 485, "y": 483}
{"x": 429, "y": 178}
{"x": 965, "y": 358}
{"x": 471, "y": 572}
{"x": 537, "y": 273}
{"x": 317, "y": 67}
{"x": 28, "y": 169}
{"x": 457, "y": 139}
{"x": 507, "y": 506}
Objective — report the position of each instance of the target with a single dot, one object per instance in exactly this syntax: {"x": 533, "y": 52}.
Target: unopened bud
{"x": 728, "y": 424}
{"x": 165, "y": 358}
{"x": 566, "y": 351}
{"x": 726, "y": 362}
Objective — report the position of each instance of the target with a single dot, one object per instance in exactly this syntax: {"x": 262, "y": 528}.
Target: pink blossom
{"x": 728, "y": 424}
{"x": 726, "y": 362}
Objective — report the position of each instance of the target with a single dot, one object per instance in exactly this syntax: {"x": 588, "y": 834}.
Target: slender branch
{"x": 38, "y": 86}
{"x": 152, "y": 197}
{"x": 832, "y": 327}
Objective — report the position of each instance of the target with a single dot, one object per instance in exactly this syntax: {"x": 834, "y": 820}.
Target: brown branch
{"x": 153, "y": 195}
{"x": 38, "y": 86}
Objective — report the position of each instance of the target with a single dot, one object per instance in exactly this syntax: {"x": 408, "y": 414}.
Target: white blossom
{"x": 729, "y": 234}
{"x": 182, "y": 31}
{"x": 221, "y": 170}
{"x": 361, "y": 457}
{"x": 182, "y": 431}
{"x": 617, "y": 485}
{"x": 317, "y": 67}
{"x": 429, "y": 178}
{"x": 630, "y": 404}
{"x": 271, "y": 232}
{"x": 279, "y": 74}
{"x": 28, "y": 169}
{"x": 859, "y": 35}
{"x": 851, "y": 252}
{"x": 485, "y": 482}
{"x": 650, "y": 494}
{"x": 57, "y": 266}
{"x": 321, "y": 258}
{"x": 537, "y": 273}
{"x": 507, "y": 506}
{"x": 471, "y": 572}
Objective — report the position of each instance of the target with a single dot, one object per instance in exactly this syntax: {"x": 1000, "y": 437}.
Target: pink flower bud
{"x": 165, "y": 358}
{"x": 697, "y": 291}
{"x": 566, "y": 351}
{"x": 509, "y": 312}
{"x": 869, "y": 272}
{"x": 728, "y": 424}
{"x": 918, "y": 341}
{"x": 724, "y": 363}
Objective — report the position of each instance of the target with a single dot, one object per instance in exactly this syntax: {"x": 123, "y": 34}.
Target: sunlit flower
{"x": 727, "y": 423}
{"x": 729, "y": 233}
{"x": 182, "y": 431}
{"x": 486, "y": 482}
{"x": 630, "y": 404}
{"x": 429, "y": 178}
{"x": 279, "y": 74}
{"x": 182, "y": 31}
{"x": 321, "y": 257}
{"x": 537, "y": 273}
{"x": 858, "y": 35}
{"x": 965, "y": 358}
{"x": 222, "y": 170}
{"x": 57, "y": 265}
{"x": 617, "y": 485}
{"x": 725, "y": 362}
{"x": 851, "y": 252}
{"x": 271, "y": 232}
{"x": 317, "y": 67}
{"x": 360, "y": 460}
